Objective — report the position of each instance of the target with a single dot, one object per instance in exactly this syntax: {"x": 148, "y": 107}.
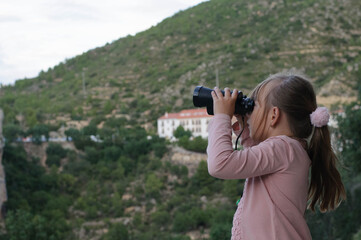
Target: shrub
{"x": 202, "y": 178}
{"x": 220, "y": 232}
{"x": 183, "y": 222}
{"x": 232, "y": 189}
{"x": 117, "y": 232}
{"x": 26, "y": 226}
{"x": 53, "y": 160}
{"x": 198, "y": 144}
{"x": 38, "y": 131}
{"x": 12, "y": 132}
{"x": 92, "y": 154}
{"x": 357, "y": 236}
{"x": 55, "y": 153}
{"x": 201, "y": 217}
{"x": 153, "y": 185}
{"x": 56, "y": 149}
{"x": 160, "y": 218}
{"x": 180, "y": 132}
{"x": 159, "y": 149}
{"x": 90, "y": 130}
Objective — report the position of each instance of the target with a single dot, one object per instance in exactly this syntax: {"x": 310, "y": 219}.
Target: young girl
{"x": 283, "y": 137}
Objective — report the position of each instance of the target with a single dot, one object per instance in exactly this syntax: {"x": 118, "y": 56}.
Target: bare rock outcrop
{"x": 189, "y": 159}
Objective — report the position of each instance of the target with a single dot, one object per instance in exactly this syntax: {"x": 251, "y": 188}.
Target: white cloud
{"x": 39, "y": 34}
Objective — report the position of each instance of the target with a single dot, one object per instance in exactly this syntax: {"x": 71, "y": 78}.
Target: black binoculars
{"x": 202, "y": 98}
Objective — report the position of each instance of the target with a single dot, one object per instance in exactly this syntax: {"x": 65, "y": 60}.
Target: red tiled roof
{"x": 187, "y": 113}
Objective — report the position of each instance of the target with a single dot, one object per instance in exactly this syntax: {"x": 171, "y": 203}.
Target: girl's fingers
{"x": 218, "y": 92}
{"x": 224, "y": 103}
{"x": 214, "y": 95}
{"x": 234, "y": 94}
{"x": 227, "y": 92}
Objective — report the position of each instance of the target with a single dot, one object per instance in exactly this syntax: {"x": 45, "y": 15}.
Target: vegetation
{"x": 145, "y": 75}
{"x": 51, "y": 204}
{"x": 185, "y": 140}
{"x": 118, "y": 182}
{"x": 129, "y": 178}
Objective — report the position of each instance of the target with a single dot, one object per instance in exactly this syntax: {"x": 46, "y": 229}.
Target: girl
{"x": 283, "y": 137}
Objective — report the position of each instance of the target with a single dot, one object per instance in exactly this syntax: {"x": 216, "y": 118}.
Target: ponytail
{"x": 326, "y": 187}
{"x": 294, "y": 95}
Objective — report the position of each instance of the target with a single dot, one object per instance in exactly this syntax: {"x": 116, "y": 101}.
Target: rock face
{"x": 3, "y": 193}
{"x": 190, "y": 159}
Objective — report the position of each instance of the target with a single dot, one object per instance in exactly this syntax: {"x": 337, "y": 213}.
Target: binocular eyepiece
{"x": 202, "y": 98}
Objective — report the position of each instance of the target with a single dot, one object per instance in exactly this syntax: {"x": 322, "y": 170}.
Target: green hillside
{"x": 130, "y": 185}
{"x": 157, "y": 69}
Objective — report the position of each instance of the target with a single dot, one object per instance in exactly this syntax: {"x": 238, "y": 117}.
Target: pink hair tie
{"x": 320, "y": 117}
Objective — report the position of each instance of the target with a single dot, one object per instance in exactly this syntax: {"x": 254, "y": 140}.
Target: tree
{"x": 90, "y": 130}
{"x": 22, "y": 225}
{"x": 348, "y": 215}
{"x": 38, "y": 131}
{"x": 202, "y": 177}
{"x": 73, "y": 133}
{"x": 108, "y": 107}
{"x": 54, "y": 153}
{"x": 80, "y": 140}
{"x": 12, "y": 132}
{"x": 180, "y": 132}
{"x": 357, "y": 236}
{"x": 92, "y": 154}
{"x": 349, "y": 137}
{"x": 117, "y": 232}
{"x": 153, "y": 185}
{"x": 220, "y": 231}
{"x": 183, "y": 222}
{"x": 160, "y": 218}
{"x": 66, "y": 183}
{"x": 184, "y": 142}
{"x": 198, "y": 144}
{"x": 56, "y": 149}
{"x": 233, "y": 189}
{"x": 19, "y": 225}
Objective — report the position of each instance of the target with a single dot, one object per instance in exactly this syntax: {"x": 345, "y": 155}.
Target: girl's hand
{"x": 239, "y": 119}
{"x": 224, "y": 104}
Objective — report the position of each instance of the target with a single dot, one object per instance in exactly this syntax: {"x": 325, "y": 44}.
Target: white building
{"x": 194, "y": 120}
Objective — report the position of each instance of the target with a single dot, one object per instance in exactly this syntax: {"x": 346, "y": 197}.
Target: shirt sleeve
{"x": 225, "y": 163}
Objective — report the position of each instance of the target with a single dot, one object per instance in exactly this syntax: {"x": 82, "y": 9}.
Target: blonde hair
{"x": 293, "y": 94}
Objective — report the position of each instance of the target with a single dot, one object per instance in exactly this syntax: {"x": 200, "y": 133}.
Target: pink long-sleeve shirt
{"x": 274, "y": 198}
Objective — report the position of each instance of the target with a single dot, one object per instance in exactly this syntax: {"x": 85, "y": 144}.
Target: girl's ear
{"x": 275, "y": 116}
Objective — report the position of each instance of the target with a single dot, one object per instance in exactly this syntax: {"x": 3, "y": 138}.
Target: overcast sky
{"x": 38, "y": 34}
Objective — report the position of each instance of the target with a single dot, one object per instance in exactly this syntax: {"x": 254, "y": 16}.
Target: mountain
{"x": 142, "y": 76}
